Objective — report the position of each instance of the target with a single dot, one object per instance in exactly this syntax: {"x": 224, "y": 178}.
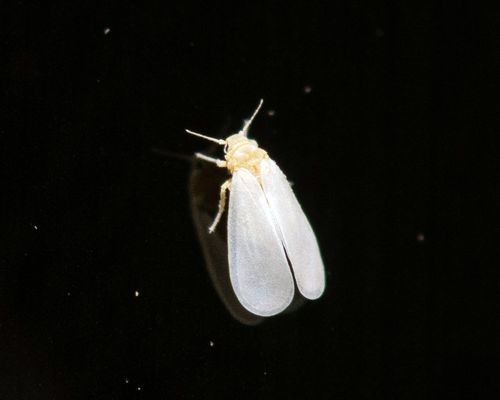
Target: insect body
{"x": 265, "y": 226}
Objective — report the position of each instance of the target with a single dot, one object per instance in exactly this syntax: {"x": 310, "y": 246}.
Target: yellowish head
{"x": 240, "y": 152}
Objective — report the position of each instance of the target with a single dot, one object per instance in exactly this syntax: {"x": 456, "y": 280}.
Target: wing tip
{"x": 313, "y": 290}
{"x": 267, "y": 312}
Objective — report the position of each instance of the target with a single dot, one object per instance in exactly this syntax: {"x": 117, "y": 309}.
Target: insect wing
{"x": 258, "y": 267}
{"x": 296, "y": 232}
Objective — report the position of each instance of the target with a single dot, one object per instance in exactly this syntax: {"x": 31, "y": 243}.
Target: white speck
{"x": 98, "y": 80}
{"x": 271, "y": 113}
{"x": 420, "y": 237}
{"x": 212, "y": 344}
{"x": 136, "y": 293}
{"x": 139, "y": 388}
{"x": 106, "y": 31}
{"x": 126, "y": 380}
{"x": 36, "y": 227}
{"x": 69, "y": 293}
{"x": 265, "y": 372}
{"x": 307, "y": 89}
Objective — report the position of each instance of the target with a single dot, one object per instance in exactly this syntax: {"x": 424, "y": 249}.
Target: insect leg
{"x": 222, "y": 205}
{"x": 219, "y": 163}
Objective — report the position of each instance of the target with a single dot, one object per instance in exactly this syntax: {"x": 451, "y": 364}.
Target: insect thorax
{"x": 244, "y": 153}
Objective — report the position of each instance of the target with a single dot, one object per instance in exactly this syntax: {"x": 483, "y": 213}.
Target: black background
{"x": 374, "y": 104}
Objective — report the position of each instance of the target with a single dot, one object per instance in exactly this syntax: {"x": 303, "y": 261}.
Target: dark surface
{"x": 379, "y": 153}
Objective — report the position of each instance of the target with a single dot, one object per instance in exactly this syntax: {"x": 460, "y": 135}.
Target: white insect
{"x": 265, "y": 226}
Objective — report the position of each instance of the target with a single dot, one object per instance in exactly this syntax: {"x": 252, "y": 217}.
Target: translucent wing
{"x": 258, "y": 267}
{"x": 298, "y": 237}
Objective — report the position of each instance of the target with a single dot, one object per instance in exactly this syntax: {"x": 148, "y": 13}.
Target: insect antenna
{"x": 244, "y": 131}
{"x": 222, "y": 142}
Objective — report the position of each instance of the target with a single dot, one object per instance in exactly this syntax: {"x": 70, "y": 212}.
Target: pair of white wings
{"x": 264, "y": 220}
